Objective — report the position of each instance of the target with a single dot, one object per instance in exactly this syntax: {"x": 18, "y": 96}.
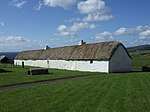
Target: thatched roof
{"x": 97, "y": 51}
{"x": 2, "y": 57}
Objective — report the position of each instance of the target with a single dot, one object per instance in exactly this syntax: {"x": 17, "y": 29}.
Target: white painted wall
{"x": 120, "y": 61}
{"x": 96, "y": 66}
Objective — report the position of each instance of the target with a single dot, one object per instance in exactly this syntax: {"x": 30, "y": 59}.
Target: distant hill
{"x": 10, "y": 55}
{"x": 139, "y": 48}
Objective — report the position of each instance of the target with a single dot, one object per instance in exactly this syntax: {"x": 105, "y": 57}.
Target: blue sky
{"x": 33, "y": 24}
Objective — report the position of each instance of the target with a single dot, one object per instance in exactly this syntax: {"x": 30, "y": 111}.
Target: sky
{"x": 33, "y": 24}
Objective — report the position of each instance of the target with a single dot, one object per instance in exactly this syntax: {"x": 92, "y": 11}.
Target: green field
{"x": 140, "y": 59}
{"x": 17, "y": 75}
{"x": 128, "y": 92}
{"x": 115, "y": 92}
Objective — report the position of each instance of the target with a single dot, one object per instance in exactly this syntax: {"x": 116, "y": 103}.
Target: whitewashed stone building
{"x": 98, "y": 57}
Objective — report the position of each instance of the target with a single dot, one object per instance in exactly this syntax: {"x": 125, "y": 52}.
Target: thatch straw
{"x": 97, "y": 51}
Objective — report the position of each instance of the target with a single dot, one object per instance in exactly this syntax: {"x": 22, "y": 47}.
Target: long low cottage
{"x": 98, "y": 57}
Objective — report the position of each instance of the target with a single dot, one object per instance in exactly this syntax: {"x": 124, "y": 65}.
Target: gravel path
{"x": 28, "y": 84}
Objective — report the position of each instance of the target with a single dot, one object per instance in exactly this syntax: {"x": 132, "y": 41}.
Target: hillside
{"x": 139, "y": 48}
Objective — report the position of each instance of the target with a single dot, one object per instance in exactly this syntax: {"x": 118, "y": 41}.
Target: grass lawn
{"x": 14, "y": 75}
{"x": 128, "y": 92}
{"x": 139, "y": 59}
{"x": 116, "y": 92}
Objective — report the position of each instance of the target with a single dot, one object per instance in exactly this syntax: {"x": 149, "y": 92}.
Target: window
{"x": 91, "y": 61}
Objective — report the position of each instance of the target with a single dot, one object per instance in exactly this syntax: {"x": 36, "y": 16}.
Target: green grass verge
{"x": 15, "y": 75}
{"x": 128, "y": 92}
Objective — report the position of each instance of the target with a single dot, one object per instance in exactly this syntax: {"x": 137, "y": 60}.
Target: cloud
{"x": 93, "y": 10}
{"x": 59, "y": 3}
{"x": 142, "y": 28}
{"x": 2, "y": 24}
{"x": 99, "y": 16}
{"x": 105, "y": 36}
{"x": 138, "y": 41}
{"x": 141, "y": 32}
{"x": 65, "y": 31}
{"x": 78, "y": 26}
{"x": 18, "y": 43}
{"x": 38, "y": 6}
{"x": 18, "y": 3}
{"x": 72, "y": 41}
{"x": 145, "y": 34}
{"x": 90, "y": 6}
{"x": 125, "y": 31}
{"x": 96, "y": 10}
{"x": 71, "y": 30}
{"x": 15, "y": 39}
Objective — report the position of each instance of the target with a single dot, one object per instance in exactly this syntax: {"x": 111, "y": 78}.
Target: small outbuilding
{"x": 4, "y": 59}
{"x": 98, "y": 57}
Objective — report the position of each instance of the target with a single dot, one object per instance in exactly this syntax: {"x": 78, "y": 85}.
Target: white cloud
{"x": 99, "y": 16}
{"x": 62, "y": 28}
{"x": 105, "y": 36}
{"x": 65, "y": 31}
{"x": 18, "y": 3}
{"x": 78, "y": 26}
{"x": 38, "y": 6}
{"x": 59, "y": 3}
{"x": 125, "y": 31}
{"x": 96, "y": 10}
{"x": 71, "y": 30}
{"x": 138, "y": 41}
{"x": 18, "y": 43}
{"x": 141, "y": 32}
{"x": 142, "y": 28}
{"x": 74, "y": 19}
{"x": 72, "y": 41}
{"x": 2, "y": 24}
{"x": 121, "y": 31}
{"x": 15, "y": 39}
{"x": 145, "y": 34}
{"x": 90, "y": 6}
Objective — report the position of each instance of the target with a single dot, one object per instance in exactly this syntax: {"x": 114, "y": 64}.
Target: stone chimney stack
{"x": 47, "y": 47}
{"x": 82, "y": 42}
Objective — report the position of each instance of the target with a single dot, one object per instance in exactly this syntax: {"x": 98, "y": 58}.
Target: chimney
{"x": 82, "y": 42}
{"x": 47, "y": 47}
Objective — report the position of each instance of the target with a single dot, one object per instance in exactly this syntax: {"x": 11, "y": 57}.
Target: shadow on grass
{"x": 134, "y": 71}
{"x": 4, "y": 71}
{"x": 39, "y": 74}
{"x": 137, "y": 70}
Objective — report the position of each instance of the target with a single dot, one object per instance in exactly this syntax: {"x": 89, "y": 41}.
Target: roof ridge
{"x": 97, "y": 51}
